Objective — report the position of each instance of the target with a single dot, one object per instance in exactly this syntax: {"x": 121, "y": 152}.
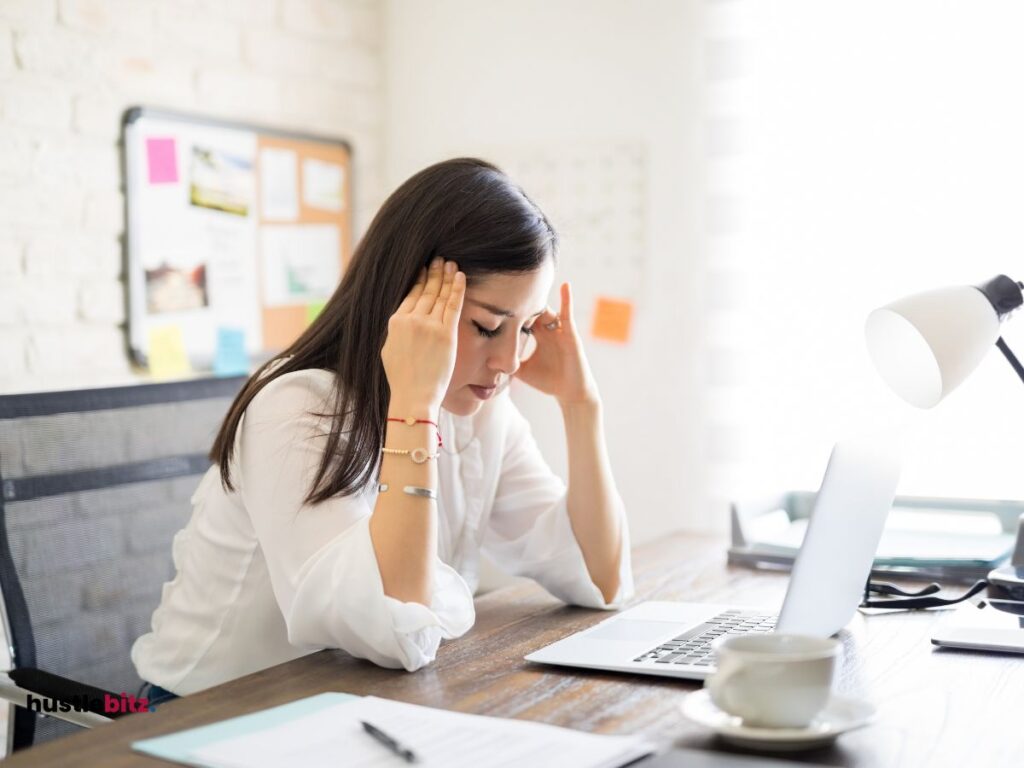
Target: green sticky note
{"x": 313, "y": 310}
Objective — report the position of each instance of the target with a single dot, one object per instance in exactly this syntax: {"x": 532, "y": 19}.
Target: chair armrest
{"x": 9, "y": 691}
{"x": 67, "y": 699}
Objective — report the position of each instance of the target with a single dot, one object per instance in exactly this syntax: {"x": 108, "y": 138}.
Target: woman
{"x": 360, "y": 473}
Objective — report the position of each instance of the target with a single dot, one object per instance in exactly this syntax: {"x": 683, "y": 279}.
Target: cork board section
{"x": 319, "y": 196}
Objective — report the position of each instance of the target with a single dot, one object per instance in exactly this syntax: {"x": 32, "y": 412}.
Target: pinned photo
{"x": 176, "y": 289}
{"x": 221, "y": 181}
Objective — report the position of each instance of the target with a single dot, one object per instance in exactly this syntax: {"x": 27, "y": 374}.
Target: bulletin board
{"x": 237, "y": 234}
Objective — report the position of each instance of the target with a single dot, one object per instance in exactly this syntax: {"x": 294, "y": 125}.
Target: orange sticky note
{"x": 167, "y": 358}
{"x": 612, "y": 319}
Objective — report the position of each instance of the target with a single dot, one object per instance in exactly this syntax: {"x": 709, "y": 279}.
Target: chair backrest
{"x": 93, "y": 486}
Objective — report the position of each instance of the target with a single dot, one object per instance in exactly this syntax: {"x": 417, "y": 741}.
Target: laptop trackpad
{"x": 632, "y": 629}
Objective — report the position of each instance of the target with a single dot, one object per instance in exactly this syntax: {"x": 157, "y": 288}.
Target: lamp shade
{"x": 925, "y": 345}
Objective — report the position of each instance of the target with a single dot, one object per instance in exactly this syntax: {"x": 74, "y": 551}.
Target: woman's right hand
{"x": 419, "y": 352}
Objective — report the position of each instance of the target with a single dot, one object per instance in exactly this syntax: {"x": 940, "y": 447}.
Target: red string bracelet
{"x": 410, "y": 421}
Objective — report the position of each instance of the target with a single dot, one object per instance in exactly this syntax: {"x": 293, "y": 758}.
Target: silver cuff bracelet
{"x": 412, "y": 490}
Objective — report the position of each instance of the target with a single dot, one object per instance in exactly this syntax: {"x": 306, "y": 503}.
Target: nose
{"x": 506, "y": 355}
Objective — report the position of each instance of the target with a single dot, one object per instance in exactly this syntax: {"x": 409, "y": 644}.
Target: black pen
{"x": 390, "y": 743}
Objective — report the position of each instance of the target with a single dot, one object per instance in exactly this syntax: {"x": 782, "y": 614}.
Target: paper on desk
{"x": 335, "y": 737}
{"x": 178, "y": 747}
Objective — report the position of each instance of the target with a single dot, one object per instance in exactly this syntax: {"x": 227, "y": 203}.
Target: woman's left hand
{"x": 558, "y": 366}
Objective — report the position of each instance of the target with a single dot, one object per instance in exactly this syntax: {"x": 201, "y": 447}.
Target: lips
{"x": 483, "y": 393}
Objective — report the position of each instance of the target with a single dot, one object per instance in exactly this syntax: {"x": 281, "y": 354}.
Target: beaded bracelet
{"x": 418, "y": 455}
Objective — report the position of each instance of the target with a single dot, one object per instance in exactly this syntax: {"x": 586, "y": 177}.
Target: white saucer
{"x": 840, "y": 715}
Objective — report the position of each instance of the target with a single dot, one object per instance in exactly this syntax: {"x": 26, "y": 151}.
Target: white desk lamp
{"x": 925, "y": 345}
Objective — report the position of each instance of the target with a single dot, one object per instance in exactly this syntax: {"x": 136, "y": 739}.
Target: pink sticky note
{"x": 163, "y": 161}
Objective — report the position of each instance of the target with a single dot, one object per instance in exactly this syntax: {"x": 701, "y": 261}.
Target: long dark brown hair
{"x": 464, "y": 210}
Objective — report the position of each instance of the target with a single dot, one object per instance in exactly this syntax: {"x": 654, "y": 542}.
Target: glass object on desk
{"x": 910, "y": 535}
{"x": 943, "y": 538}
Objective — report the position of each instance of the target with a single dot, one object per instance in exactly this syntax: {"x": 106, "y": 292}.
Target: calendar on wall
{"x": 596, "y": 198}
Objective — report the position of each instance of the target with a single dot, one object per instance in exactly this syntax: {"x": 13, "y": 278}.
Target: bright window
{"x": 879, "y": 151}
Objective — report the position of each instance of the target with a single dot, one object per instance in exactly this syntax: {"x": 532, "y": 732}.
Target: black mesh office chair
{"x": 93, "y": 486}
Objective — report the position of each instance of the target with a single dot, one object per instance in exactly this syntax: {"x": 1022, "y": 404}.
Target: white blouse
{"x": 262, "y": 577}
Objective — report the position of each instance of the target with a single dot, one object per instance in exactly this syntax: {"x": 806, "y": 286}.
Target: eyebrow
{"x": 498, "y": 310}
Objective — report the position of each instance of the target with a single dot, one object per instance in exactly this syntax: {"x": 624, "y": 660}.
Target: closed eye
{"x": 490, "y": 333}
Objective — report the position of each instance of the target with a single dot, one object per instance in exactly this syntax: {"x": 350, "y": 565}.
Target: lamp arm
{"x": 1010, "y": 357}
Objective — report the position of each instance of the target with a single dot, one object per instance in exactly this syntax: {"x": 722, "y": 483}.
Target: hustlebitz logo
{"x": 112, "y": 705}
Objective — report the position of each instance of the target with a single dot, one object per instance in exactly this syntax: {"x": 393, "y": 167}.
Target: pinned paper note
{"x": 323, "y": 185}
{"x": 231, "y": 358}
{"x": 167, "y": 358}
{"x": 313, "y": 310}
{"x": 612, "y": 319}
{"x": 279, "y": 184}
{"x": 300, "y": 263}
{"x": 162, "y": 161}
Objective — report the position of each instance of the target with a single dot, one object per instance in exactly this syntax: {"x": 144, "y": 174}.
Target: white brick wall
{"x": 69, "y": 69}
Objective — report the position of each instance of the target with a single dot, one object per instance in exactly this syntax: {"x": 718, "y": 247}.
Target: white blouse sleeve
{"x": 323, "y": 569}
{"x": 530, "y": 534}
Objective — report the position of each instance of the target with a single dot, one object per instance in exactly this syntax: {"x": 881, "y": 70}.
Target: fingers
{"x": 453, "y": 307}
{"x": 414, "y": 294}
{"x": 554, "y": 321}
{"x": 425, "y": 303}
{"x": 446, "y": 288}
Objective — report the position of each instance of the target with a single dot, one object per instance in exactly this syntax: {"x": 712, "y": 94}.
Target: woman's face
{"x": 497, "y": 317}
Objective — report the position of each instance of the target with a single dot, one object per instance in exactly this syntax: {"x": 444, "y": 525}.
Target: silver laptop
{"x": 826, "y": 584}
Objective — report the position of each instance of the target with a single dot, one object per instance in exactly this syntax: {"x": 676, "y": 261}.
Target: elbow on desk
{"x": 609, "y": 589}
{"x": 401, "y": 653}
{"x": 609, "y": 582}
{"x": 394, "y": 635}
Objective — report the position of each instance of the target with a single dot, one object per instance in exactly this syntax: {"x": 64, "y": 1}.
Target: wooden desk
{"x": 936, "y": 707}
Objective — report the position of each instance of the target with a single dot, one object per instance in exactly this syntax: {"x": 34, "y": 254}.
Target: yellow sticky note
{"x": 313, "y": 310}
{"x": 612, "y": 319}
{"x": 167, "y": 358}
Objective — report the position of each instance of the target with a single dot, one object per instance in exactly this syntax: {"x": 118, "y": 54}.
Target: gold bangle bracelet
{"x": 418, "y": 455}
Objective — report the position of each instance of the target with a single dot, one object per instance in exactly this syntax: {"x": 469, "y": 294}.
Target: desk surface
{"x": 936, "y": 707}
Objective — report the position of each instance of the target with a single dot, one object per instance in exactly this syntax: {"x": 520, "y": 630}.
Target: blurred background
{"x": 740, "y": 182}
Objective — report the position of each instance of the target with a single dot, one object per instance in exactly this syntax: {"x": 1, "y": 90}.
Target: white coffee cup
{"x": 773, "y": 680}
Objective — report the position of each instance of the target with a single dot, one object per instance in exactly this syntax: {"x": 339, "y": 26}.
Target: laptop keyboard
{"x": 694, "y": 646}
